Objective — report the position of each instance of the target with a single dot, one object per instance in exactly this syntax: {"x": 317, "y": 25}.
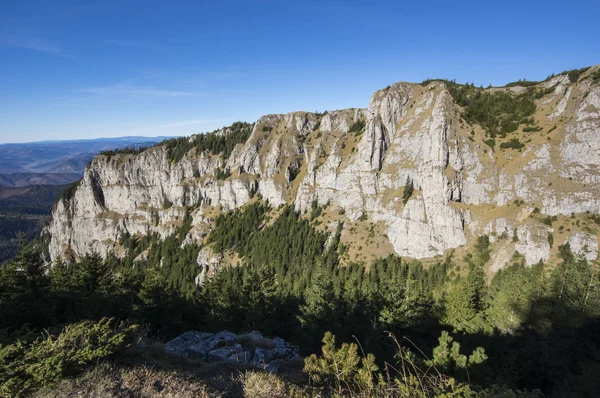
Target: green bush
{"x": 343, "y": 372}
{"x": 341, "y": 368}
{"x": 167, "y": 204}
{"x": 514, "y": 143}
{"x": 358, "y": 127}
{"x": 222, "y": 174}
{"x": 531, "y": 129}
{"x": 24, "y": 367}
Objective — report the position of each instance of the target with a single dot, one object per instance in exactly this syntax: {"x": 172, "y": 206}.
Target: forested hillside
{"x": 528, "y": 328}
{"x": 22, "y": 213}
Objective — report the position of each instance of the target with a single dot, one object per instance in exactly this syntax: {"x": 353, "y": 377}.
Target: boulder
{"x": 192, "y": 345}
{"x": 233, "y": 352}
{"x": 224, "y": 346}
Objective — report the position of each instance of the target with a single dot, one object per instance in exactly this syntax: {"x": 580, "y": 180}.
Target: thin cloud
{"x": 37, "y": 44}
{"x": 124, "y": 90}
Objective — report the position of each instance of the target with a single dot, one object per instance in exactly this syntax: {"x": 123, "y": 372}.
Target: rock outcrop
{"x": 360, "y": 160}
{"x": 251, "y": 349}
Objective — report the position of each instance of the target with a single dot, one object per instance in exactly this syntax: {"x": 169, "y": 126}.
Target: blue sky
{"x": 83, "y": 69}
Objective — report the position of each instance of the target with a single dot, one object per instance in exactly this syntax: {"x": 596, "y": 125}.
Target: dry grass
{"x": 108, "y": 381}
{"x": 264, "y": 385}
{"x": 252, "y": 341}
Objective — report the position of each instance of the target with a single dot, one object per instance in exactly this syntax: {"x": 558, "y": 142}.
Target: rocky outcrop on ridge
{"x": 360, "y": 160}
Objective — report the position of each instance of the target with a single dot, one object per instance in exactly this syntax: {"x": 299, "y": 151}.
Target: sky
{"x": 86, "y": 69}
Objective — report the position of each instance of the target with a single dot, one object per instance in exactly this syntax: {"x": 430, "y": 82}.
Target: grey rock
{"x": 223, "y": 346}
{"x": 223, "y": 338}
{"x": 584, "y": 245}
{"x": 410, "y": 132}
{"x": 233, "y": 352}
{"x": 260, "y": 358}
{"x": 192, "y": 344}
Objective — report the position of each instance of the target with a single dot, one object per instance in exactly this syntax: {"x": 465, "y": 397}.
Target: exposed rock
{"x": 192, "y": 344}
{"x": 208, "y": 262}
{"x": 233, "y": 352}
{"x": 409, "y": 131}
{"x": 584, "y": 245}
{"x": 225, "y": 346}
{"x": 533, "y": 243}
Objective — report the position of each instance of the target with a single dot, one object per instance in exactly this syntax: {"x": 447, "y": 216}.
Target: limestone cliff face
{"x": 360, "y": 160}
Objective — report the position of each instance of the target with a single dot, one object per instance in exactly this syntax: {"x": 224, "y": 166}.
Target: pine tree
{"x": 318, "y": 312}
{"x": 408, "y": 190}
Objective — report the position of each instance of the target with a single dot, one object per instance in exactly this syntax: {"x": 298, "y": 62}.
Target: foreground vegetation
{"x": 529, "y": 329}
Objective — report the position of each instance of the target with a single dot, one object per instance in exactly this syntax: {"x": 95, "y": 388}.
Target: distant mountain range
{"x": 56, "y": 162}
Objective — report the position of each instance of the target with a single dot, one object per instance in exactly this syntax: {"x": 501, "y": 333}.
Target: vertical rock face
{"x": 360, "y": 160}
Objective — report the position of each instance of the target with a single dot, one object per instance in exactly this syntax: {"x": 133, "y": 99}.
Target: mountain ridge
{"x": 517, "y": 175}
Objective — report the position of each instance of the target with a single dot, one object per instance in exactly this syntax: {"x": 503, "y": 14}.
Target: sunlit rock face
{"x": 360, "y": 161}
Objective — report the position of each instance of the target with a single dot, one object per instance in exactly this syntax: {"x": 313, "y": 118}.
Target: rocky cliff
{"x": 530, "y": 190}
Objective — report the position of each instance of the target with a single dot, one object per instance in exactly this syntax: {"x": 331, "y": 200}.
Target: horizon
{"x": 108, "y": 70}
{"x": 57, "y": 141}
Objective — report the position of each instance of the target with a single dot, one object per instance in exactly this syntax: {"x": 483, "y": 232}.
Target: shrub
{"x": 447, "y": 355}
{"x": 531, "y": 129}
{"x": 341, "y": 367}
{"x": 491, "y": 143}
{"x": 167, "y": 204}
{"x": 358, "y": 127}
{"x": 547, "y": 220}
{"x": 343, "y": 372}
{"x": 24, "y": 367}
{"x": 514, "y": 143}
{"x": 222, "y": 174}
